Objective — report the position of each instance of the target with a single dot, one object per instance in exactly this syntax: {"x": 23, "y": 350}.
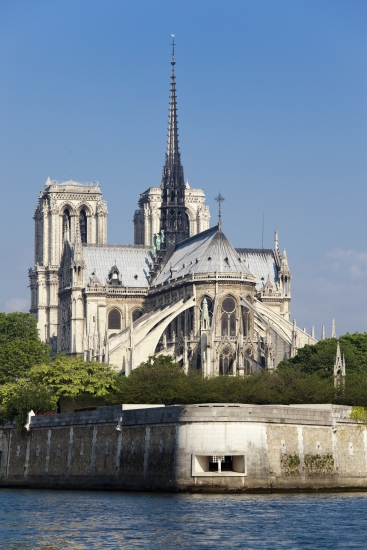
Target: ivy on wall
{"x": 319, "y": 465}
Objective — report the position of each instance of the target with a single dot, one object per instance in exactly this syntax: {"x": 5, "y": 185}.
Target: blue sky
{"x": 272, "y": 111}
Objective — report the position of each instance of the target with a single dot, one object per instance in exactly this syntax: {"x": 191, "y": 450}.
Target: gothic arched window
{"x": 187, "y": 225}
{"x": 66, "y": 225}
{"x": 137, "y": 313}
{"x": 228, "y": 317}
{"x": 83, "y": 226}
{"x": 191, "y": 319}
{"x": 226, "y": 361}
{"x": 114, "y": 319}
{"x": 198, "y": 361}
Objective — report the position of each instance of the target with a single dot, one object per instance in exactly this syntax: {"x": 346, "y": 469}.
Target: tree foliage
{"x": 17, "y": 326}
{"x": 71, "y": 376}
{"x": 20, "y": 346}
{"x": 19, "y": 356}
{"x": 18, "y": 398}
{"x": 161, "y": 381}
{"x": 319, "y": 358}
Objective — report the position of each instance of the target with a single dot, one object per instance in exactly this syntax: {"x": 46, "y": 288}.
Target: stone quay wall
{"x": 270, "y": 448}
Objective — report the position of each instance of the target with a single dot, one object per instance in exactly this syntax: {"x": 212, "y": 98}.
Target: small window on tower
{"x": 66, "y": 225}
{"x": 83, "y": 226}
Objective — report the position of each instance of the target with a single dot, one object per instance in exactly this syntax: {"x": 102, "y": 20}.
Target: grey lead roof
{"x": 206, "y": 252}
{"x": 130, "y": 260}
{"x": 261, "y": 263}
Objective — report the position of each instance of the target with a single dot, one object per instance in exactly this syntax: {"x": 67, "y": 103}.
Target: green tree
{"x": 319, "y": 358}
{"x": 17, "y": 326}
{"x": 20, "y": 346}
{"x": 156, "y": 381}
{"x": 18, "y": 398}
{"x": 71, "y": 376}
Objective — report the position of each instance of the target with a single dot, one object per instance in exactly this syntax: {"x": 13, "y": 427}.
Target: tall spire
{"x": 174, "y": 221}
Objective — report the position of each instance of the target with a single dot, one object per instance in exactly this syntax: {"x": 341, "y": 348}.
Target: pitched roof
{"x": 206, "y": 252}
{"x": 261, "y": 263}
{"x": 131, "y": 261}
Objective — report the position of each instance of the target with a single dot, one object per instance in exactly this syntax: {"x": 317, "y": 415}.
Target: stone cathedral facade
{"x": 181, "y": 289}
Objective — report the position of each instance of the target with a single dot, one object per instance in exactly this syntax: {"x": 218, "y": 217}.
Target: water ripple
{"x": 78, "y": 520}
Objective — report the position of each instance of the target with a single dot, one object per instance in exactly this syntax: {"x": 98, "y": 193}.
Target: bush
{"x": 17, "y": 399}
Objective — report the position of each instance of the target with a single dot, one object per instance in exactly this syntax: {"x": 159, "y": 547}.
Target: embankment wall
{"x": 169, "y": 448}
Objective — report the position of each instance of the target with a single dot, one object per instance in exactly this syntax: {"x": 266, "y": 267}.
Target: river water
{"x": 55, "y": 520}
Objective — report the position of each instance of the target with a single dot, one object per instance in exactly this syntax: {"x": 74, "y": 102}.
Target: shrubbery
{"x": 160, "y": 380}
{"x": 29, "y": 379}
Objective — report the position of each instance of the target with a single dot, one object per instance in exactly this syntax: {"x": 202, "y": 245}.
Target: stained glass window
{"x": 114, "y": 319}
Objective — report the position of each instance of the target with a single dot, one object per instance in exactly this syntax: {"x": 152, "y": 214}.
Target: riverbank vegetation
{"x": 30, "y": 379}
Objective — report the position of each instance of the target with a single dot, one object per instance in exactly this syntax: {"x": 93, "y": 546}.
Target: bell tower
{"x": 64, "y": 211}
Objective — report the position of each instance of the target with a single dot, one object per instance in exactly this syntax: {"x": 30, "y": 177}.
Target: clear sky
{"x": 272, "y": 110}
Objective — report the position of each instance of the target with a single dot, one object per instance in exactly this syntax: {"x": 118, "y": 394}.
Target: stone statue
{"x": 205, "y": 311}
{"x": 158, "y": 241}
{"x": 162, "y": 236}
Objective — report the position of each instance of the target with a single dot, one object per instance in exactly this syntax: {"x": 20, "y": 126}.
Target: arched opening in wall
{"x": 83, "y": 225}
{"x": 187, "y": 225}
{"x": 226, "y": 361}
{"x": 190, "y": 319}
{"x": 136, "y": 314}
{"x": 286, "y": 286}
{"x": 228, "y": 317}
{"x": 66, "y": 225}
{"x": 198, "y": 361}
{"x": 114, "y": 320}
{"x": 246, "y": 321}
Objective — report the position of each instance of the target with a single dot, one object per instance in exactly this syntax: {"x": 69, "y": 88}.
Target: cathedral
{"x": 181, "y": 289}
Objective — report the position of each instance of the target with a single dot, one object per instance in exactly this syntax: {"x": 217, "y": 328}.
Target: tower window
{"x": 83, "y": 226}
{"x": 66, "y": 225}
{"x": 114, "y": 319}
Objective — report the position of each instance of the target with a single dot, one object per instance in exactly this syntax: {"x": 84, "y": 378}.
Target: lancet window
{"x": 66, "y": 225}
{"x": 191, "y": 319}
{"x": 246, "y": 320}
{"x": 114, "y": 319}
{"x": 228, "y": 317}
{"x": 83, "y": 226}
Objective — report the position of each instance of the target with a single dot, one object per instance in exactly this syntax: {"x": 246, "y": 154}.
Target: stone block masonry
{"x": 204, "y": 447}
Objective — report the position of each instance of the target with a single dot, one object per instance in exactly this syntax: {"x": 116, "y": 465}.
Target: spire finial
{"x": 173, "y": 50}
{"x": 219, "y": 200}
